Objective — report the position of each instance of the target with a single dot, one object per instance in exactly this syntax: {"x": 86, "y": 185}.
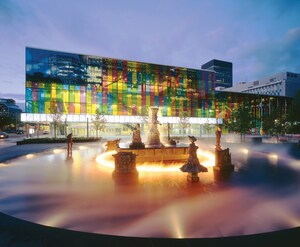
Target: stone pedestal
{"x": 223, "y": 160}
{"x": 137, "y": 145}
{"x": 193, "y": 177}
{"x": 125, "y": 163}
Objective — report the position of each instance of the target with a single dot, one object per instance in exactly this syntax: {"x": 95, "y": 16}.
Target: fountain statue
{"x": 193, "y": 166}
{"x": 113, "y": 145}
{"x": 170, "y": 140}
{"x": 136, "y": 138}
{"x": 70, "y": 145}
{"x": 218, "y": 138}
{"x": 222, "y": 156}
{"x": 154, "y": 136}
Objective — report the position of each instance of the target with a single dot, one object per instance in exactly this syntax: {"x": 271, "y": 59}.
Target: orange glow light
{"x": 106, "y": 159}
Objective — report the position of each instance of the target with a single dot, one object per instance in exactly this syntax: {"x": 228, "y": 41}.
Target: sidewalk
{"x": 7, "y": 153}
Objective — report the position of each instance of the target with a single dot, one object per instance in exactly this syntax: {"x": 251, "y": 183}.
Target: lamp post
{"x": 65, "y": 126}
{"x": 276, "y": 129}
{"x": 87, "y": 127}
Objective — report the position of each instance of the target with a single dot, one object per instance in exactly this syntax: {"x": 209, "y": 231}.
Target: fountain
{"x": 46, "y": 189}
{"x": 154, "y": 150}
{"x": 160, "y": 203}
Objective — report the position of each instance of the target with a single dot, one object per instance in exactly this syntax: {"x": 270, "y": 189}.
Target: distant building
{"x": 223, "y": 71}
{"x": 8, "y": 108}
{"x": 282, "y": 84}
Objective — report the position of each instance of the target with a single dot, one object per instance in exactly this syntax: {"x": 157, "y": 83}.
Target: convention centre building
{"x": 76, "y": 86}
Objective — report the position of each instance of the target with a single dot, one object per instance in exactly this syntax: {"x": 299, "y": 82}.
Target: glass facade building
{"x": 223, "y": 71}
{"x": 261, "y": 106}
{"x": 79, "y": 84}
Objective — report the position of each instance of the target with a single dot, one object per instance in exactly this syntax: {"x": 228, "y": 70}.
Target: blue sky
{"x": 259, "y": 37}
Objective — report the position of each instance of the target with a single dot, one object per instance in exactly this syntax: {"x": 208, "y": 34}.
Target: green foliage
{"x": 56, "y": 116}
{"x": 184, "y": 121}
{"x": 293, "y": 116}
{"x": 6, "y": 120}
{"x": 99, "y": 121}
{"x": 208, "y": 127}
{"x": 270, "y": 123}
{"x": 144, "y": 114}
{"x": 243, "y": 121}
{"x": 56, "y": 140}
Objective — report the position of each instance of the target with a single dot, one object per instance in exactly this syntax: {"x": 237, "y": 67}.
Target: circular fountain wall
{"x": 81, "y": 194}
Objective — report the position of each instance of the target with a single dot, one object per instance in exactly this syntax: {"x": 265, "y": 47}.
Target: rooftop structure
{"x": 282, "y": 84}
{"x": 223, "y": 71}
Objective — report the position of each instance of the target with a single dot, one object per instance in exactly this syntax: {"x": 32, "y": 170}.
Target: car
{"x": 9, "y": 131}
{"x": 3, "y": 135}
{"x": 20, "y": 132}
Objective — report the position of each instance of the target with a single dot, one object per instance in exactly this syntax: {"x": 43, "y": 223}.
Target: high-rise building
{"x": 223, "y": 71}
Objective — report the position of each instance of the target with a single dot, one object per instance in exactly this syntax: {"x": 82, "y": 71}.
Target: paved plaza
{"x": 15, "y": 232}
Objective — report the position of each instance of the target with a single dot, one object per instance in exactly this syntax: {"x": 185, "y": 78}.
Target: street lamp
{"x": 276, "y": 129}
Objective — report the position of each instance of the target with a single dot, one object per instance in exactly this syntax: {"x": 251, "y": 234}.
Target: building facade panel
{"x": 79, "y": 84}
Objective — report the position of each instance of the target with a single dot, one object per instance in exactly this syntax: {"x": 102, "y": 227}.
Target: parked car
{"x": 20, "y": 132}
{"x": 3, "y": 135}
{"x": 10, "y": 131}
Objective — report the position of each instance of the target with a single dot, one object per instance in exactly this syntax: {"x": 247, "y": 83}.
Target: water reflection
{"x": 82, "y": 195}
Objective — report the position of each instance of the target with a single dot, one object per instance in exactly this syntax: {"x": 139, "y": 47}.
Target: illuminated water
{"x": 261, "y": 195}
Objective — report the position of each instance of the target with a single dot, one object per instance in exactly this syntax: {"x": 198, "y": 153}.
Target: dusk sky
{"x": 259, "y": 37}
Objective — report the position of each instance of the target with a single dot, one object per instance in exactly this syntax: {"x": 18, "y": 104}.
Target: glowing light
{"x": 295, "y": 164}
{"x": 106, "y": 160}
{"x": 159, "y": 167}
{"x": 82, "y": 147}
{"x": 245, "y": 151}
{"x": 273, "y": 158}
{"x": 54, "y": 220}
{"x": 57, "y": 151}
{"x": 206, "y": 158}
{"x": 30, "y": 156}
{"x": 176, "y": 224}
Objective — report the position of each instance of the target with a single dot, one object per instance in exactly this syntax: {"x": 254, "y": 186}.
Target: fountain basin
{"x": 159, "y": 154}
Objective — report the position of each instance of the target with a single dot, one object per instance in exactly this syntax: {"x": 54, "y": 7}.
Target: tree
{"x": 293, "y": 116}
{"x": 184, "y": 121}
{"x": 6, "y": 120}
{"x": 269, "y": 122}
{"x": 242, "y": 121}
{"x": 99, "y": 121}
{"x": 56, "y": 116}
{"x": 207, "y": 127}
{"x": 144, "y": 114}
